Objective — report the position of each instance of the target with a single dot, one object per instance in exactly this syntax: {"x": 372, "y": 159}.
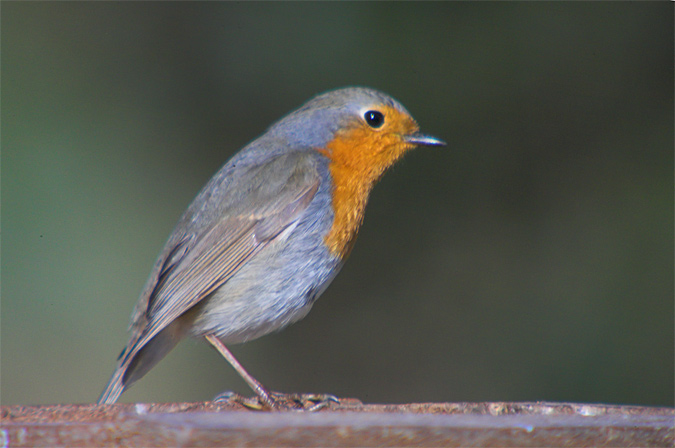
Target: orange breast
{"x": 358, "y": 157}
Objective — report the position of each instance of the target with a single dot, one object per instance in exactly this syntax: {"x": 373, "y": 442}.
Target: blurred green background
{"x": 530, "y": 260}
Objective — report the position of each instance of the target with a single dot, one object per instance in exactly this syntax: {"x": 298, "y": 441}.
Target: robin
{"x": 268, "y": 232}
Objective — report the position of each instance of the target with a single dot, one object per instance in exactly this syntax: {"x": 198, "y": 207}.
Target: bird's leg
{"x": 259, "y": 389}
{"x": 269, "y": 400}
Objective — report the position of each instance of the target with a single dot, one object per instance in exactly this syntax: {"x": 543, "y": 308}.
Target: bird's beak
{"x": 423, "y": 140}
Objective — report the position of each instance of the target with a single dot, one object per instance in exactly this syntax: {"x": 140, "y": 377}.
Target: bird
{"x": 268, "y": 232}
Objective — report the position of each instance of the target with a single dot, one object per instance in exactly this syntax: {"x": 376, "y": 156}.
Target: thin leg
{"x": 258, "y": 388}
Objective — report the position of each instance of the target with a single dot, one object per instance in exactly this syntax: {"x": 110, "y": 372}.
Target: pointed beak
{"x": 423, "y": 140}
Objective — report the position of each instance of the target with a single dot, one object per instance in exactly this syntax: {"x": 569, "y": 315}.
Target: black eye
{"x": 374, "y": 118}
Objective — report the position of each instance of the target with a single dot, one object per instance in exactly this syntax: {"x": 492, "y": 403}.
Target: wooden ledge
{"x": 349, "y": 423}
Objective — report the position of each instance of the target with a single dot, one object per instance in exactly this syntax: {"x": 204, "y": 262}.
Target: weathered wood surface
{"x": 349, "y": 423}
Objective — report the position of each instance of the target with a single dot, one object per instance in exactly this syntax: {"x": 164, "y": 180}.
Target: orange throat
{"x": 358, "y": 158}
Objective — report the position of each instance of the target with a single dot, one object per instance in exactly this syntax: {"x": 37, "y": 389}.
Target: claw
{"x": 230, "y": 397}
{"x": 226, "y": 396}
{"x": 321, "y": 397}
{"x": 253, "y": 404}
{"x": 307, "y": 402}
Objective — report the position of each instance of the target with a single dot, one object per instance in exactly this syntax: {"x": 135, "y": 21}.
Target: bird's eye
{"x": 374, "y": 118}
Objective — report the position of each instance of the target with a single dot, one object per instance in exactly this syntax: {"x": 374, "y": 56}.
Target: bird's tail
{"x": 114, "y": 388}
{"x": 136, "y": 360}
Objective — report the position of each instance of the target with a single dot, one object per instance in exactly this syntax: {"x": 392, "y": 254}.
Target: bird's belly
{"x": 272, "y": 290}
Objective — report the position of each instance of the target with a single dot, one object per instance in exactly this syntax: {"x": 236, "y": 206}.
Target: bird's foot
{"x": 278, "y": 401}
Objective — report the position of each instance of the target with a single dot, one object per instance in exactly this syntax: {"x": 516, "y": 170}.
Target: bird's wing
{"x": 258, "y": 206}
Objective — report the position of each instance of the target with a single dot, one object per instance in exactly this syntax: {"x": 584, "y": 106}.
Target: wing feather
{"x": 199, "y": 263}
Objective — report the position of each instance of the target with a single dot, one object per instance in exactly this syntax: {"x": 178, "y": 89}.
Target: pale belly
{"x": 274, "y": 289}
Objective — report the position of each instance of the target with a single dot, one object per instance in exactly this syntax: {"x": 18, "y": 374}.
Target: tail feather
{"x": 136, "y": 361}
{"x": 114, "y": 388}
